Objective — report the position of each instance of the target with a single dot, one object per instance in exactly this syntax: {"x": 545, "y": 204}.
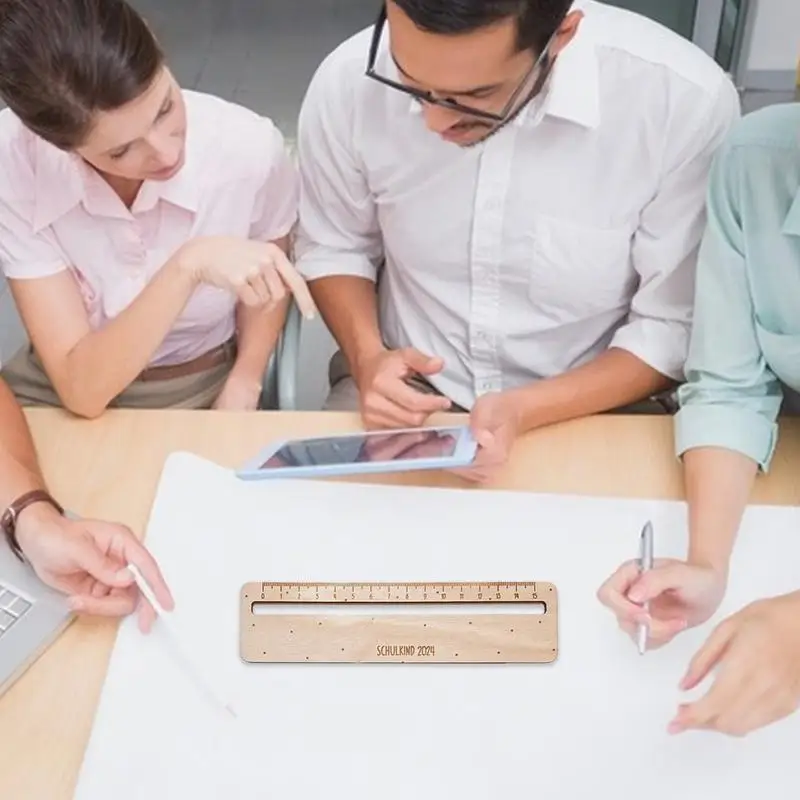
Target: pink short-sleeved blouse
{"x": 56, "y": 214}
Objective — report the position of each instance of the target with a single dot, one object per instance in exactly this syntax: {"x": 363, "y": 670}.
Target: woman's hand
{"x": 259, "y": 273}
{"x": 756, "y": 655}
{"x": 87, "y": 561}
{"x": 680, "y": 596}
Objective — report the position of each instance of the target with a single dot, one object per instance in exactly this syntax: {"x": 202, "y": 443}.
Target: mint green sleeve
{"x": 730, "y": 399}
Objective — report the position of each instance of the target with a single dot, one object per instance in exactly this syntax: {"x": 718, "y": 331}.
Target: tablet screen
{"x": 371, "y": 447}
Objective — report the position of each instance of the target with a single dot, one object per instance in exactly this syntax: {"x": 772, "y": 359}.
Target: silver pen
{"x": 645, "y": 564}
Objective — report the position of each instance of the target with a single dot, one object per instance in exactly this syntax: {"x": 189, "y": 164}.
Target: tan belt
{"x": 213, "y": 358}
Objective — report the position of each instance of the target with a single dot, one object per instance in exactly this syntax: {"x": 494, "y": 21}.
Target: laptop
{"x": 32, "y": 616}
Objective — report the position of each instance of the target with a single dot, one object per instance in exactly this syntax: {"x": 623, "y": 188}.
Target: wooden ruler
{"x": 399, "y": 622}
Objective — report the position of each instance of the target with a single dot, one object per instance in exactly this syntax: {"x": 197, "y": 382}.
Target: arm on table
{"x": 726, "y": 430}
{"x": 82, "y": 558}
{"x": 615, "y": 378}
{"x": 612, "y": 379}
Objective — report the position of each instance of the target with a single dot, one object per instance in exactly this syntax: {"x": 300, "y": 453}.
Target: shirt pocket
{"x": 579, "y": 271}
{"x": 782, "y": 354}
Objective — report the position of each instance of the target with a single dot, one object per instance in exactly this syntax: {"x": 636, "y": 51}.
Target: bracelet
{"x": 8, "y": 522}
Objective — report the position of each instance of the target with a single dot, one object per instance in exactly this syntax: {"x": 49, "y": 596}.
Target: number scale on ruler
{"x": 397, "y": 592}
{"x": 467, "y": 622}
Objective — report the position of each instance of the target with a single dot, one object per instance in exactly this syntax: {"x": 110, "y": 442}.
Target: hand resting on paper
{"x": 86, "y": 560}
{"x": 756, "y": 654}
{"x": 681, "y": 595}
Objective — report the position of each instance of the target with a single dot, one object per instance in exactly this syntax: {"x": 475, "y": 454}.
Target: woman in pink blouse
{"x": 143, "y": 229}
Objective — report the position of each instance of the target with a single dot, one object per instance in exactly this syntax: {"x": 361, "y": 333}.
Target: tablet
{"x": 364, "y": 452}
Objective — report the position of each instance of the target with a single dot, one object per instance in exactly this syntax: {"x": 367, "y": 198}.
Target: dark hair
{"x": 537, "y": 20}
{"x": 62, "y": 61}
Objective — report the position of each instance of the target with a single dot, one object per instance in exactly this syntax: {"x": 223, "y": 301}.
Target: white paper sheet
{"x": 593, "y": 724}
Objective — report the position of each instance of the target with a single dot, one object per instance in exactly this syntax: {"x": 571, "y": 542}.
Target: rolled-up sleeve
{"x": 665, "y": 246}
{"x": 338, "y": 231}
{"x": 731, "y": 399}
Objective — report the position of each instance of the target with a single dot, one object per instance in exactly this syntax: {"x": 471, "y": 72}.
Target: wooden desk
{"x": 109, "y": 469}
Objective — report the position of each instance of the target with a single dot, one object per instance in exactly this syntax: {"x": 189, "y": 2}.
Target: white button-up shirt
{"x": 572, "y": 230}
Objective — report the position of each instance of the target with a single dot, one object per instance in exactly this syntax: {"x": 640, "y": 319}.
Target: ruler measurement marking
{"x": 465, "y": 592}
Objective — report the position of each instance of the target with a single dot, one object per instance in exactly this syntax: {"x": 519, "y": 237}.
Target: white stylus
{"x": 186, "y": 663}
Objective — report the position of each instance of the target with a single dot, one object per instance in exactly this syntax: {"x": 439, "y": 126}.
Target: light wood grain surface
{"x": 109, "y": 468}
{"x": 399, "y": 623}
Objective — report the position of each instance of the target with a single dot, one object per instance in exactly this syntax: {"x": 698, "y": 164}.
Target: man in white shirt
{"x": 501, "y": 208}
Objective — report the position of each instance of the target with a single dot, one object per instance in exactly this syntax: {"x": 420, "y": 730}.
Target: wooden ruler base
{"x": 467, "y": 623}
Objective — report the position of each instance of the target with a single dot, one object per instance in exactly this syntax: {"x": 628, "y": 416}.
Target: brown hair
{"x": 62, "y": 61}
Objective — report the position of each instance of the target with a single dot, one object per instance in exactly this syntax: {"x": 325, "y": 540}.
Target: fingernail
{"x": 674, "y": 727}
{"x": 76, "y": 604}
{"x": 635, "y": 596}
{"x": 124, "y": 575}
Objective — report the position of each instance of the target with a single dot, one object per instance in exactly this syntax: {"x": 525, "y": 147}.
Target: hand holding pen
{"x": 655, "y": 599}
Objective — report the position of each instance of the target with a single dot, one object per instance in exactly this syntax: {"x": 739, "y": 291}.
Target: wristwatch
{"x": 8, "y": 521}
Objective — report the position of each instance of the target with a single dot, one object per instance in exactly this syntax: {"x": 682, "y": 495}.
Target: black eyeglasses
{"x": 429, "y": 98}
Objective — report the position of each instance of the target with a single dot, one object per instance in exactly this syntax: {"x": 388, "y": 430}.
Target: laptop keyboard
{"x": 12, "y": 609}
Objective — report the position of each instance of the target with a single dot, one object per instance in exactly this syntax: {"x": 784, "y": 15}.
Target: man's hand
{"x": 87, "y": 560}
{"x": 495, "y": 425}
{"x": 239, "y": 393}
{"x": 681, "y": 596}
{"x": 387, "y": 401}
{"x": 757, "y": 656}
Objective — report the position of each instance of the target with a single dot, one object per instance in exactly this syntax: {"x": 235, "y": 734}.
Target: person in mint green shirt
{"x": 743, "y": 369}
